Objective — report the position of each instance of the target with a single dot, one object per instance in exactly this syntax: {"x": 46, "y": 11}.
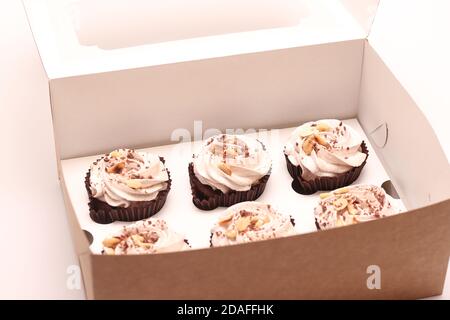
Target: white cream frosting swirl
{"x": 125, "y": 176}
{"x": 143, "y": 237}
{"x": 250, "y": 221}
{"x": 231, "y": 162}
{"x": 352, "y": 204}
{"x": 324, "y": 148}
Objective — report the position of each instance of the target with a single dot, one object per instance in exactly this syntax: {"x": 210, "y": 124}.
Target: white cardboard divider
{"x": 95, "y": 113}
{"x": 179, "y": 211}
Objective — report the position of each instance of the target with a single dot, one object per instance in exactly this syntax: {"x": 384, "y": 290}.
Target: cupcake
{"x": 143, "y": 237}
{"x": 227, "y": 170}
{"x": 350, "y": 205}
{"x": 250, "y": 221}
{"x": 324, "y": 155}
{"x": 126, "y": 185}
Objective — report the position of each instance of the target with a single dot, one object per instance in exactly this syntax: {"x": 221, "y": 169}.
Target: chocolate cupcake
{"x": 250, "y": 221}
{"x": 144, "y": 237}
{"x": 126, "y": 185}
{"x": 350, "y": 205}
{"x": 324, "y": 155}
{"x": 227, "y": 170}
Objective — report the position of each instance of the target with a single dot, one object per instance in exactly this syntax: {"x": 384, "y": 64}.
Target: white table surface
{"x": 38, "y": 249}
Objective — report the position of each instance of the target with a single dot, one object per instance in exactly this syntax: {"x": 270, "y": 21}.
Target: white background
{"x": 37, "y": 249}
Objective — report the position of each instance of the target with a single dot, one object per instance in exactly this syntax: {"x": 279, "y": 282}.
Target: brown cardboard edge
{"x": 411, "y": 248}
{"x": 85, "y": 261}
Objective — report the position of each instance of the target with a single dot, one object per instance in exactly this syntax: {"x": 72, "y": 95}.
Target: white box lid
{"x": 77, "y": 37}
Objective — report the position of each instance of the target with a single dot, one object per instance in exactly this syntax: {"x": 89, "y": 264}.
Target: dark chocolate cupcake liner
{"x": 210, "y": 240}
{"x": 103, "y": 213}
{"x": 205, "y": 197}
{"x": 317, "y": 224}
{"x": 303, "y": 186}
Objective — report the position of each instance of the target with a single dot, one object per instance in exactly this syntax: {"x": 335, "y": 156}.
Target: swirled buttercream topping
{"x": 250, "y": 221}
{"x": 324, "y": 148}
{"x": 145, "y": 236}
{"x": 125, "y": 176}
{"x": 231, "y": 162}
{"x": 352, "y": 204}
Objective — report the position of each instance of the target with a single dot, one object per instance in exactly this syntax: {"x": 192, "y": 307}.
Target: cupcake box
{"x": 326, "y": 66}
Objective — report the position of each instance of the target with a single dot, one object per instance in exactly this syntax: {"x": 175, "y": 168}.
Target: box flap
{"x": 401, "y": 136}
{"x": 410, "y": 37}
{"x": 76, "y": 37}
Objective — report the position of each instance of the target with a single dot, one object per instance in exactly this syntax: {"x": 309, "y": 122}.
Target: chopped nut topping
{"x": 137, "y": 239}
{"x": 145, "y": 244}
{"x": 225, "y": 168}
{"x": 321, "y": 140}
{"x": 231, "y": 152}
{"x": 352, "y": 209}
{"x": 117, "y": 168}
{"x": 340, "y": 204}
{"x": 225, "y": 219}
{"x": 242, "y": 223}
{"x": 134, "y": 183}
{"x": 254, "y": 219}
{"x": 259, "y": 223}
{"x": 324, "y": 195}
{"x": 306, "y": 131}
{"x": 323, "y": 127}
{"x": 341, "y": 190}
{"x": 111, "y": 242}
{"x": 231, "y": 234}
{"x": 308, "y": 145}
{"x": 115, "y": 154}
{"x": 152, "y": 237}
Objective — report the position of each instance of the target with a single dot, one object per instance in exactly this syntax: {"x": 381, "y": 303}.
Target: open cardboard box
{"x": 274, "y": 67}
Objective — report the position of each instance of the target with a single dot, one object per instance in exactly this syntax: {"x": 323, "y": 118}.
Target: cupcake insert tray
{"x": 179, "y": 211}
